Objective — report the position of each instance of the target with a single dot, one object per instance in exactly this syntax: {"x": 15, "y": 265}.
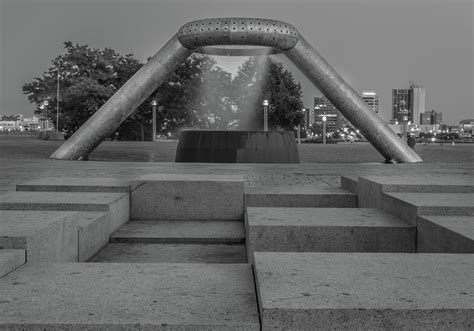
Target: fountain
{"x": 225, "y": 146}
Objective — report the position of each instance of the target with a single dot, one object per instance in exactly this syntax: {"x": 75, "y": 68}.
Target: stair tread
{"x": 111, "y": 296}
{"x": 181, "y": 229}
{"x": 347, "y": 217}
{"x": 171, "y": 253}
{"x": 463, "y": 200}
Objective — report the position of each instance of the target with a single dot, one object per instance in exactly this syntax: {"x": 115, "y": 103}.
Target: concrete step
{"x": 122, "y": 296}
{"x": 171, "y": 253}
{"x": 73, "y": 184}
{"x": 176, "y": 197}
{"x": 299, "y": 196}
{"x": 186, "y": 232}
{"x": 10, "y": 259}
{"x": 408, "y": 206}
{"x": 326, "y": 230}
{"x": 93, "y": 233}
{"x": 45, "y": 236}
{"x": 364, "y": 291}
{"x": 445, "y": 234}
{"x": 116, "y": 204}
{"x": 370, "y": 188}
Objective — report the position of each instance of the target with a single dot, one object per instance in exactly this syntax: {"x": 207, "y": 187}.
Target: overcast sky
{"x": 374, "y": 44}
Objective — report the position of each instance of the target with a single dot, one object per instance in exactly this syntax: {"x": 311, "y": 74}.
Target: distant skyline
{"x": 376, "y": 45}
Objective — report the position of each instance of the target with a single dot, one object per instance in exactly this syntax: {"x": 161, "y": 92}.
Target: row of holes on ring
{"x": 203, "y": 24}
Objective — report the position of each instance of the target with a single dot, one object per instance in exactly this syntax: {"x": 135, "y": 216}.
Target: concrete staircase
{"x": 323, "y": 257}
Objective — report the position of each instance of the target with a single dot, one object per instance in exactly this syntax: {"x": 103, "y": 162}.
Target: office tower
{"x": 372, "y": 100}
{"x": 334, "y": 119}
{"x": 409, "y": 101}
{"x": 431, "y": 118}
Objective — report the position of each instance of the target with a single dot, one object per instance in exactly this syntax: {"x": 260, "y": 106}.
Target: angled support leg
{"x": 124, "y": 102}
{"x": 351, "y": 105}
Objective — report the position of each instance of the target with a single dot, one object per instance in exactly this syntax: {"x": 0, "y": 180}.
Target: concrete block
{"x": 408, "y": 206}
{"x": 187, "y": 232}
{"x": 93, "y": 233}
{"x": 10, "y": 259}
{"x": 349, "y": 183}
{"x": 125, "y": 296}
{"x": 71, "y": 184}
{"x": 370, "y": 188}
{"x": 171, "y": 253}
{"x": 47, "y": 236}
{"x": 294, "y": 196}
{"x": 364, "y": 291}
{"x": 445, "y": 234}
{"x": 117, "y": 204}
{"x": 171, "y": 197}
{"x": 326, "y": 230}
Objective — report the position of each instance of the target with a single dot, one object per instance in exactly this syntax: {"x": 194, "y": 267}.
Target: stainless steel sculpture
{"x": 203, "y": 36}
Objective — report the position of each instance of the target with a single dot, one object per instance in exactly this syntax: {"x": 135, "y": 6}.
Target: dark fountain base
{"x": 237, "y": 147}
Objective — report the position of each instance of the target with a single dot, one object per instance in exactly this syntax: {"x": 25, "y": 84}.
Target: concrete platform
{"x": 445, "y": 234}
{"x": 76, "y": 184}
{"x": 114, "y": 296}
{"x": 117, "y": 204}
{"x": 188, "y": 232}
{"x": 93, "y": 233}
{"x": 327, "y": 230}
{"x": 46, "y": 236}
{"x": 349, "y": 183}
{"x": 10, "y": 259}
{"x": 408, "y": 206}
{"x": 300, "y": 196}
{"x": 322, "y": 291}
{"x": 171, "y": 253}
{"x": 171, "y": 197}
{"x": 370, "y": 188}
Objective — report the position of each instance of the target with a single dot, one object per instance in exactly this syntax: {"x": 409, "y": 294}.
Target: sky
{"x": 375, "y": 45}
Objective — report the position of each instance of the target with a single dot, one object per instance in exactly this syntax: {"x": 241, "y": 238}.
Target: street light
{"x": 404, "y": 113}
{"x": 265, "y": 115}
{"x": 57, "y": 102}
{"x": 299, "y": 126}
{"x": 324, "y": 129}
{"x": 154, "y": 103}
{"x": 45, "y": 104}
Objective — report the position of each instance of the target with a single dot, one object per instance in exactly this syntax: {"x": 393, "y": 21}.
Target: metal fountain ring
{"x": 201, "y": 35}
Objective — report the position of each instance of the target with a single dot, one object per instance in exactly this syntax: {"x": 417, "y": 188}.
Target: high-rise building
{"x": 371, "y": 98}
{"x": 431, "y": 117}
{"x": 324, "y": 108}
{"x": 409, "y": 102}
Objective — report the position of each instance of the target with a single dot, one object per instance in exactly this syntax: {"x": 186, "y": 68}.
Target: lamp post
{"x": 45, "y": 104}
{"x": 154, "y": 103}
{"x": 324, "y": 129}
{"x": 57, "y": 102}
{"x": 404, "y": 124}
{"x": 265, "y": 115}
{"x": 42, "y": 117}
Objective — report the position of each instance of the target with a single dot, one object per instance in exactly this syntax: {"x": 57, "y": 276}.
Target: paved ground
{"x": 25, "y": 158}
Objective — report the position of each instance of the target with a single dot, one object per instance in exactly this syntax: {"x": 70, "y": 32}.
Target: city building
{"x": 431, "y": 117}
{"x": 408, "y": 102}
{"x": 466, "y": 127}
{"x": 19, "y": 123}
{"x": 371, "y": 98}
{"x": 308, "y": 118}
{"x": 334, "y": 119}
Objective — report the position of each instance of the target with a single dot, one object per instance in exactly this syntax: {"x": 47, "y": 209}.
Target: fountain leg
{"x": 124, "y": 102}
{"x": 351, "y": 105}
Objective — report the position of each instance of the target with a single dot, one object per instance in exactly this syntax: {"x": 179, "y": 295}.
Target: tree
{"x": 89, "y": 77}
{"x": 261, "y": 78}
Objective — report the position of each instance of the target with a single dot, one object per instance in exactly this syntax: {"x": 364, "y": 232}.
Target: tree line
{"x": 198, "y": 94}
